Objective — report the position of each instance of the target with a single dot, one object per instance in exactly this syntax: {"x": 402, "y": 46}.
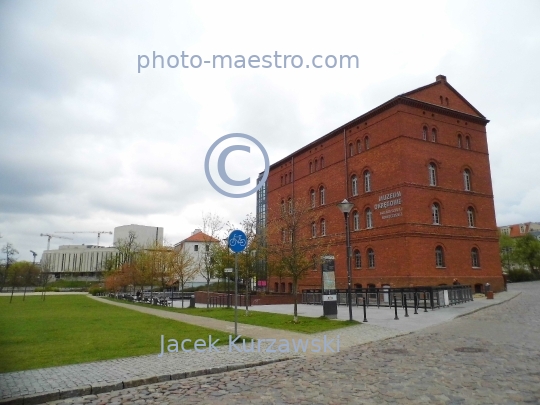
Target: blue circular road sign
{"x": 237, "y": 241}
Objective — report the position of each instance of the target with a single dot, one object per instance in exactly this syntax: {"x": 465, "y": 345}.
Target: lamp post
{"x": 346, "y": 207}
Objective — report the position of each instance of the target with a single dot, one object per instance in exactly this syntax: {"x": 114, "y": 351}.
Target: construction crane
{"x": 98, "y": 233}
{"x": 34, "y": 254}
{"x": 49, "y": 236}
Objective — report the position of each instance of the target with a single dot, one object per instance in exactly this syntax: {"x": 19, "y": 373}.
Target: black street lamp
{"x": 346, "y": 207}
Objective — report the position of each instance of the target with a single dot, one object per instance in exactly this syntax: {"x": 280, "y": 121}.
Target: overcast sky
{"x": 87, "y": 143}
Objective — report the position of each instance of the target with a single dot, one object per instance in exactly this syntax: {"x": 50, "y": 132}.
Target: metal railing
{"x": 420, "y": 297}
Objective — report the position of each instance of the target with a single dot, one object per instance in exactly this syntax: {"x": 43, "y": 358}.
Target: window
{"x": 290, "y": 235}
{"x": 358, "y": 146}
{"x": 371, "y": 258}
{"x": 312, "y": 197}
{"x": 432, "y": 174}
{"x": 433, "y": 135}
{"x": 439, "y": 256}
{"x": 522, "y": 229}
{"x": 323, "y": 227}
{"x": 351, "y": 149}
{"x": 283, "y": 235}
{"x": 366, "y": 143}
{"x": 290, "y": 177}
{"x": 424, "y": 133}
{"x": 281, "y": 180}
{"x": 322, "y": 162}
{"x": 196, "y": 248}
{"x": 475, "y": 257}
{"x": 316, "y": 165}
{"x": 290, "y": 206}
{"x": 282, "y": 207}
{"x": 313, "y": 230}
{"x": 354, "y": 185}
{"x": 356, "y": 221}
{"x": 436, "y": 213}
{"x": 286, "y": 179}
{"x": 322, "y": 195}
{"x": 470, "y": 216}
{"x": 367, "y": 181}
{"x": 467, "y": 179}
{"x": 369, "y": 219}
{"x": 311, "y": 167}
{"x": 207, "y": 248}
{"x": 467, "y": 142}
{"x": 459, "y": 141}
{"x": 357, "y": 259}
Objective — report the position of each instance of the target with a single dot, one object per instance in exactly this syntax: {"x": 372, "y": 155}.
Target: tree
{"x": 44, "y": 275}
{"x": 182, "y": 267}
{"x": 15, "y": 277}
{"x": 527, "y": 251}
{"x": 29, "y": 274}
{"x": 207, "y": 266}
{"x": 507, "y": 246}
{"x": 8, "y": 258}
{"x": 290, "y": 244}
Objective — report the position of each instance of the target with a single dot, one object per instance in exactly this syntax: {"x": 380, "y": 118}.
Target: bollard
{"x": 425, "y": 303}
{"x": 395, "y": 309}
{"x": 415, "y": 303}
{"x": 406, "y": 311}
{"x": 364, "y": 302}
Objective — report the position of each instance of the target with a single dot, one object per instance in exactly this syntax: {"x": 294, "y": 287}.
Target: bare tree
{"x": 183, "y": 268}
{"x": 212, "y": 226}
{"x": 290, "y": 245}
{"x": 8, "y": 257}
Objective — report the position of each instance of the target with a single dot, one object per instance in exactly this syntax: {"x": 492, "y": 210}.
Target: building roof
{"x": 518, "y": 230}
{"x": 421, "y": 97}
{"x": 199, "y": 237}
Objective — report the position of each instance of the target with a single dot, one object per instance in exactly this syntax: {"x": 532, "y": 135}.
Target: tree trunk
{"x": 24, "y": 296}
{"x": 247, "y": 298}
{"x": 12, "y": 289}
{"x": 182, "y": 295}
{"x": 208, "y": 293}
{"x": 295, "y": 302}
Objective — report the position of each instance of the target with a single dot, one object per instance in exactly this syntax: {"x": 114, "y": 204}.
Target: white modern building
{"x": 197, "y": 245}
{"x": 145, "y": 235}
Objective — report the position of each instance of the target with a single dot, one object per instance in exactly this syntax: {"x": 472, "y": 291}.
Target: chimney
{"x": 441, "y": 78}
{"x": 196, "y": 231}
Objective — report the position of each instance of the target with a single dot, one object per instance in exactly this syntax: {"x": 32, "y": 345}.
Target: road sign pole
{"x": 236, "y": 294}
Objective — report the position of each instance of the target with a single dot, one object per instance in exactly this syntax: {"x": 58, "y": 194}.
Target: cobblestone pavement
{"x": 489, "y": 357}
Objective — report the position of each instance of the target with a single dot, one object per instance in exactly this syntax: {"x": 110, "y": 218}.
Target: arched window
{"x": 366, "y": 143}
{"x": 290, "y": 235}
{"x": 290, "y": 177}
{"x": 459, "y": 141}
{"x": 357, "y": 259}
{"x": 358, "y": 146}
{"x": 424, "y": 133}
{"x": 286, "y": 179}
{"x": 322, "y": 162}
{"x": 354, "y": 185}
{"x": 367, "y": 181}
{"x": 475, "y": 257}
{"x": 356, "y": 221}
{"x": 281, "y": 180}
{"x": 436, "y": 213}
{"x": 351, "y": 149}
{"x": 322, "y": 197}
{"x": 433, "y": 135}
{"x": 369, "y": 219}
{"x": 467, "y": 179}
{"x": 290, "y": 206}
{"x": 311, "y": 167}
{"x": 323, "y": 227}
{"x": 467, "y": 142}
{"x": 371, "y": 258}
{"x": 470, "y": 216}
{"x": 313, "y": 230}
{"x": 283, "y": 235}
{"x": 432, "y": 169}
{"x": 282, "y": 207}
{"x": 316, "y": 165}
{"x": 312, "y": 197}
{"x": 439, "y": 256}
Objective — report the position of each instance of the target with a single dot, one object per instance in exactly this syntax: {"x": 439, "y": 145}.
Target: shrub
{"x": 517, "y": 275}
{"x": 47, "y": 289}
{"x": 96, "y": 290}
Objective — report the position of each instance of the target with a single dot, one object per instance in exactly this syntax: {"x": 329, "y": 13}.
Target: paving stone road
{"x": 489, "y": 357}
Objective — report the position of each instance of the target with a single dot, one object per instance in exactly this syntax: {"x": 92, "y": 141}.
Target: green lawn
{"x": 276, "y": 321}
{"x": 75, "y": 329}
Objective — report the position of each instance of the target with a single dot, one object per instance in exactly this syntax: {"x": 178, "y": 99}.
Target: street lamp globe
{"x": 345, "y": 206}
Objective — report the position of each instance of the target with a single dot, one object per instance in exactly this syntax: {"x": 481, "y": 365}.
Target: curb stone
{"x": 101, "y": 388}
{"x": 489, "y": 306}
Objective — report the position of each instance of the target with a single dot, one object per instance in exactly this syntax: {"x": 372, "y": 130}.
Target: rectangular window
{"x": 196, "y": 248}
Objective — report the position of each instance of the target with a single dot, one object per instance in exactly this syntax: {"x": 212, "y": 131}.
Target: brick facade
{"x": 388, "y": 142}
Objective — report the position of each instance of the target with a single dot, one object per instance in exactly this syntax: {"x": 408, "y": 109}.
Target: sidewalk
{"x": 49, "y": 384}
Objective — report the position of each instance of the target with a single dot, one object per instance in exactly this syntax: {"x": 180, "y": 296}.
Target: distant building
{"x": 197, "y": 245}
{"x": 519, "y": 230}
{"x": 88, "y": 262}
{"x": 146, "y": 235}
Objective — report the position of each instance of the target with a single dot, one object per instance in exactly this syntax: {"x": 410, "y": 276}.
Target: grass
{"x": 275, "y": 321}
{"x": 76, "y": 329}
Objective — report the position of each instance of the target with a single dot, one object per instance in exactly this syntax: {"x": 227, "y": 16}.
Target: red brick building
{"x": 417, "y": 170}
